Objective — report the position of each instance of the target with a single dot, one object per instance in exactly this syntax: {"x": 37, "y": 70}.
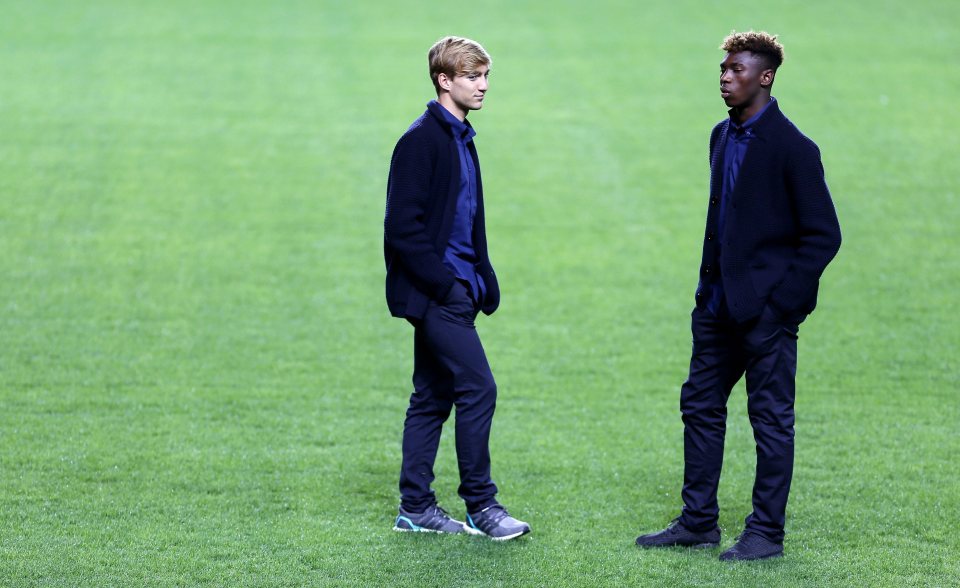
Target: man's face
{"x": 742, "y": 76}
{"x": 468, "y": 90}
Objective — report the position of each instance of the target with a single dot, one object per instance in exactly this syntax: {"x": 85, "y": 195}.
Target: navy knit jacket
{"x": 780, "y": 230}
{"x": 422, "y": 191}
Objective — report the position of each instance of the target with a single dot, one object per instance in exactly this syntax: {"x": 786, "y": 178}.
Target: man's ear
{"x": 766, "y": 77}
{"x": 444, "y": 82}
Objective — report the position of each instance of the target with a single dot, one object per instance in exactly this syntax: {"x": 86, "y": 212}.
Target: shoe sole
{"x": 422, "y": 530}
{"x": 473, "y": 531}
{"x": 694, "y": 546}
{"x": 736, "y": 559}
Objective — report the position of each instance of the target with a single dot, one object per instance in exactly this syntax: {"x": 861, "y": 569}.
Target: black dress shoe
{"x": 750, "y": 546}
{"x": 677, "y": 535}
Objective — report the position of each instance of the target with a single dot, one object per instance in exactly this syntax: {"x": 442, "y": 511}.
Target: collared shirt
{"x": 460, "y": 255}
{"x": 734, "y": 151}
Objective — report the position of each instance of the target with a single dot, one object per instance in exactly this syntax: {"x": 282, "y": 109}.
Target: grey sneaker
{"x": 495, "y": 522}
{"x": 432, "y": 520}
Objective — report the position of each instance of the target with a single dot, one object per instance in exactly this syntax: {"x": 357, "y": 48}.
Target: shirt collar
{"x": 461, "y": 128}
{"x": 753, "y": 119}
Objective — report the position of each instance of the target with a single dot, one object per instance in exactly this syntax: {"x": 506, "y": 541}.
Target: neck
{"x": 744, "y": 113}
{"x": 447, "y": 102}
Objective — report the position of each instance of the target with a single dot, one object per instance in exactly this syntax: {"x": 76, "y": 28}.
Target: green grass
{"x": 199, "y": 380}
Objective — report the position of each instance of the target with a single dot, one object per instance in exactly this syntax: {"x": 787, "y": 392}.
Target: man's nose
{"x": 725, "y": 76}
{"x": 484, "y": 84}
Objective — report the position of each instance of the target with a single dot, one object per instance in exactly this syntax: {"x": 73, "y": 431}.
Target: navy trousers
{"x": 765, "y": 349}
{"x": 450, "y": 369}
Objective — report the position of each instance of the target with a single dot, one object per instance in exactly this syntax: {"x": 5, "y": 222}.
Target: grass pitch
{"x": 199, "y": 381}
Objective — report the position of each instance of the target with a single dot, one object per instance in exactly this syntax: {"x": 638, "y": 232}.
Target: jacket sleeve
{"x": 818, "y": 229}
{"x": 408, "y": 192}
{"x": 713, "y": 140}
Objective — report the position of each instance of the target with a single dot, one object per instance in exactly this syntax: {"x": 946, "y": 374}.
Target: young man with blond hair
{"x": 771, "y": 231}
{"x": 439, "y": 277}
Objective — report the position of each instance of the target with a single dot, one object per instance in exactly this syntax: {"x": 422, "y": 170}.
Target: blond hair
{"x": 455, "y": 56}
{"x": 759, "y": 42}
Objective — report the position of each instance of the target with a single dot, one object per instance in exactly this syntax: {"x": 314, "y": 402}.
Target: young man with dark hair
{"x": 439, "y": 277}
{"x": 771, "y": 231}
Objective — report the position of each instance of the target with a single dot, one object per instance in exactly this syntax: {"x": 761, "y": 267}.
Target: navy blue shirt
{"x": 460, "y": 255}
{"x": 738, "y": 139}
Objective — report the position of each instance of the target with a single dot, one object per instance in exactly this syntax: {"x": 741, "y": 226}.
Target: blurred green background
{"x": 199, "y": 380}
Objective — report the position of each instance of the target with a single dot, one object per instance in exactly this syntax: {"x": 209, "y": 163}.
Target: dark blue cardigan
{"x": 780, "y": 230}
{"x": 422, "y": 191}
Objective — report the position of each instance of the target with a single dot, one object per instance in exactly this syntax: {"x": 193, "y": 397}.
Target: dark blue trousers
{"x": 450, "y": 369}
{"x": 765, "y": 349}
